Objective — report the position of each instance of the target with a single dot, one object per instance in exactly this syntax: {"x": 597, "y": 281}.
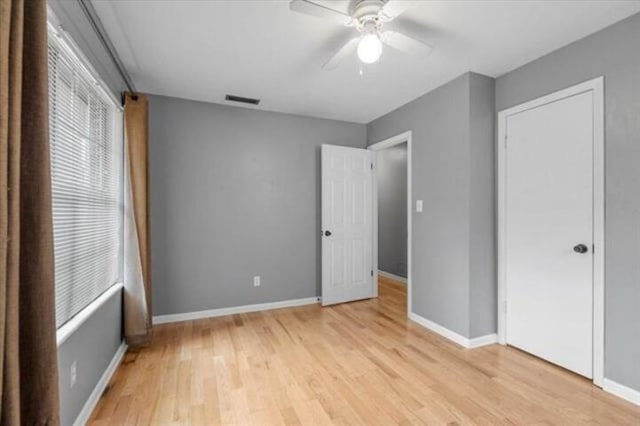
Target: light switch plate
{"x": 419, "y": 206}
{"x": 73, "y": 373}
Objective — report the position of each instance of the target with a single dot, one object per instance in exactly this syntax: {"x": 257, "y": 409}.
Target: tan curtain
{"x": 28, "y": 364}
{"x": 137, "y": 262}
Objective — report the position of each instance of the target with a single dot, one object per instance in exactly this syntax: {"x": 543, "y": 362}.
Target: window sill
{"x": 74, "y": 323}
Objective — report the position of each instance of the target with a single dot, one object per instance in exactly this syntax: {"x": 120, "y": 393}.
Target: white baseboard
{"x": 392, "y": 276}
{"x": 98, "y": 390}
{"x": 486, "y": 340}
{"x": 465, "y": 342}
{"x": 211, "y": 313}
{"x": 621, "y": 391}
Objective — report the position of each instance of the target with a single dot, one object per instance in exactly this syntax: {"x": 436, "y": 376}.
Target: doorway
{"x": 349, "y": 216}
{"x": 392, "y": 216}
{"x": 551, "y": 228}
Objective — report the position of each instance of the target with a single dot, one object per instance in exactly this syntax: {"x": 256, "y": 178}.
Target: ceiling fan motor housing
{"x": 367, "y": 13}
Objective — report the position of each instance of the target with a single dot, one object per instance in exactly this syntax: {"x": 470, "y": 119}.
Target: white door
{"x": 347, "y": 228}
{"x": 549, "y": 232}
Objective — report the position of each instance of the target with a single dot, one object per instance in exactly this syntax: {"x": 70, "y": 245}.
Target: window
{"x": 86, "y": 163}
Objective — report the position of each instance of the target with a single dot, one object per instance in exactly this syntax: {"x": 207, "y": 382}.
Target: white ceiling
{"x": 203, "y": 50}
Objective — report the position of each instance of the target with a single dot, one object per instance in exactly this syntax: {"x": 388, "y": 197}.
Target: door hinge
{"x": 372, "y": 272}
{"x": 504, "y": 306}
{"x": 371, "y": 166}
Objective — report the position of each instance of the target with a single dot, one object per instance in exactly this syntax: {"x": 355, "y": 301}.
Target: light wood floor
{"x": 356, "y": 363}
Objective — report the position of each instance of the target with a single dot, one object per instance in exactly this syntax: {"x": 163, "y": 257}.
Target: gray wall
{"x": 235, "y": 193}
{"x": 442, "y": 167}
{"x": 482, "y": 214}
{"x": 92, "y": 346}
{"x": 615, "y": 54}
{"x": 391, "y": 171}
{"x": 440, "y": 151}
{"x": 95, "y": 343}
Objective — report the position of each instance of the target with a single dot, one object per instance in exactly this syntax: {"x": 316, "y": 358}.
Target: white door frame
{"x": 597, "y": 87}
{"x": 379, "y": 146}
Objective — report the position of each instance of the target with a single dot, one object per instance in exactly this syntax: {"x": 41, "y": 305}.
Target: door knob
{"x": 327, "y": 233}
{"x": 581, "y": 248}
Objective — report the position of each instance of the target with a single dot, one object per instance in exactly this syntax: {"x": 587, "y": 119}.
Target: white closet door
{"x": 549, "y": 232}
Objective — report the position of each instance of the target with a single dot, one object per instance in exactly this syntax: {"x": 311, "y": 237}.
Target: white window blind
{"x": 86, "y": 181}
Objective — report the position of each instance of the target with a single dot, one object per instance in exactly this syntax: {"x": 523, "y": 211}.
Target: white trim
{"x": 211, "y": 313}
{"x": 465, "y": 342}
{"x": 621, "y": 391}
{"x": 68, "y": 328}
{"x": 478, "y": 342}
{"x": 437, "y": 328}
{"x": 98, "y": 390}
{"x": 392, "y": 141}
{"x": 387, "y": 143}
{"x": 597, "y": 87}
{"x": 598, "y": 231}
{"x": 374, "y": 225}
{"x": 392, "y": 276}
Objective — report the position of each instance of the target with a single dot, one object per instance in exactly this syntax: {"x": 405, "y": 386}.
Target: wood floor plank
{"x": 356, "y": 363}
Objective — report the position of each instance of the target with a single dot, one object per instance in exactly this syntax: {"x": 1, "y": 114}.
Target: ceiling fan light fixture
{"x": 370, "y": 48}
{"x": 366, "y": 17}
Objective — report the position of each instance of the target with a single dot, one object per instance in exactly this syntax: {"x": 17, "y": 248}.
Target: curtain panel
{"x": 28, "y": 351}
{"x": 137, "y": 252}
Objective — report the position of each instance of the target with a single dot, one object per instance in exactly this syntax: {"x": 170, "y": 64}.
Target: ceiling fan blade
{"x": 348, "y": 49}
{"x": 319, "y": 11}
{"x": 405, "y": 44}
{"x": 393, "y": 8}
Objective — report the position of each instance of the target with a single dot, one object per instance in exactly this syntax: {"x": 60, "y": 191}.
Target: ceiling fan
{"x": 367, "y": 17}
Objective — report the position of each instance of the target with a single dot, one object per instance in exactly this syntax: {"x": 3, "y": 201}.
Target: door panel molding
{"x": 347, "y": 220}
{"x": 596, "y": 86}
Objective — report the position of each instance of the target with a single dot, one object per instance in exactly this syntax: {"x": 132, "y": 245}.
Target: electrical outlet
{"x": 256, "y": 281}
{"x": 419, "y": 206}
{"x": 73, "y": 373}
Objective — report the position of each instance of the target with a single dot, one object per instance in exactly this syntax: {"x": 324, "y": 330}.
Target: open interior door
{"x": 347, "y": 224}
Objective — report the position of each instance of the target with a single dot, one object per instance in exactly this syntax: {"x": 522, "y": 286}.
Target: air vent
{"x": 234, "y": 98}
